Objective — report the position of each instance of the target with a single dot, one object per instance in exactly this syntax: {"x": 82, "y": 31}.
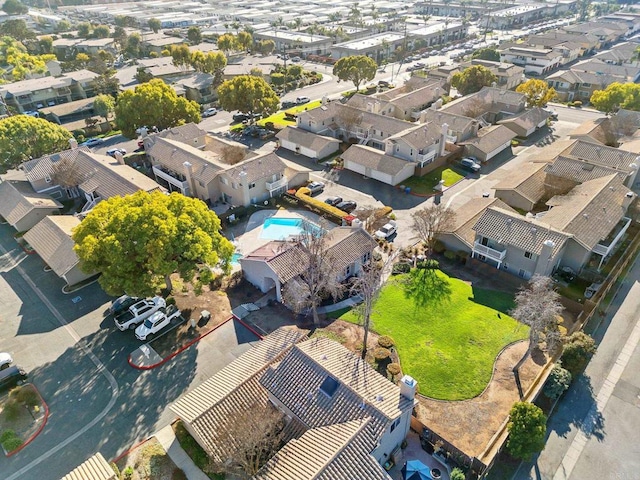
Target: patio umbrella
{"x": 416, "y": 470}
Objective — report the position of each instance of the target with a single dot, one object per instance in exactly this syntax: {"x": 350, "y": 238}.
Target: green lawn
{"x": 447, "y": 333}
{"x": 426, "y": 183}
{"x": 279, "y": 120}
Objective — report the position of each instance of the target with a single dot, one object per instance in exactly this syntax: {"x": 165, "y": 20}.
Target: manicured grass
{"x": 426, "y": 184}
{"x": 279, "y": 119}
{"x": 447, "y": 333}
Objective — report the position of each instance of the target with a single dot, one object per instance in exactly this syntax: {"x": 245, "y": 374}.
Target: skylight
{"x": 329, "y": 386}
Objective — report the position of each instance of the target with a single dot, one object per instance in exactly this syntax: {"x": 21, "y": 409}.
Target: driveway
{"x": 78, "y": 361}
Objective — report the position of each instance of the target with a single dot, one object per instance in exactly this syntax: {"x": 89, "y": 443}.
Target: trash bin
{"x": 407, "y": 190}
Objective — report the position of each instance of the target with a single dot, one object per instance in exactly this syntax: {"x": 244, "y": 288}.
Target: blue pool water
{"x": 235, "y": 257}
{"x": 281, "y": 228}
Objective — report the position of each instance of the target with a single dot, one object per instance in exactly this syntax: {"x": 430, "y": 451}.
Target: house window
{"x": 252, "y": 185}
{"x": 395, "y": 424}
{"x": 348, "y": 271}
{"x": 329, "y": 386}
{"x": 224, "y": 180}
{"x": 528, "y": 255}
{"x": 411, "y": 152}
{"x": 366, "y": 257}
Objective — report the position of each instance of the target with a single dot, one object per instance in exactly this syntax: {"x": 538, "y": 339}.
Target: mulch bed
{"x": 28, "y": 420}
{"x": 149, "y": 460}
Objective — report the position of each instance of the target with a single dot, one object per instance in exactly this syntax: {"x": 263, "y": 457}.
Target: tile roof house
{"x": 97, "y": 177}
{"x": 527, "y": 122}
{"x": 306, "y": 143}
{"x": 524, "y": 188}
{"x": 344, "y": 419}
{"x": 407, "y": 104}
{"x": 535, "y": 60}
{"x": 373, "y": 163}
{"x": 460, "y": 127}
{"x": 490, "y": 104}
{"x": 277, "y": 262}
{"x": 22, "y": 207}
{"x": 51, "y": 239}
{"x": 95, "y": 468}
{"x": 490, "y": 142}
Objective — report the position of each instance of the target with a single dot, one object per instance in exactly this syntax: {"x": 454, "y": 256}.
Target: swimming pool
{"x": 235, "y": 257}
{"x": 281, "y": 228}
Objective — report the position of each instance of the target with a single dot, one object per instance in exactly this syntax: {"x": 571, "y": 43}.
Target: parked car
{"x": 210, "y": 112}
{"x": 302, "y": 100}
{"x": 296, "y": 59}
{"x": 5, "y": 360}
{"x": 244, "y": 117}
{"x": 347, "y": 206}
{"x": 333, "y": 200}
{"x": 288, "y": 104}
{"x": 384, "y": 84}
{"x": 138, "y": 312}
{"x": 12, "y": 376}
{"x": 387, "y": 231}
{"x": 112, "y": 152}
{"x": 315, "y": 187}
{"x": 93, "y": 142}
{"x": 469, "y": 164}
{"x": 122, "y": 303}
{"x": 156, "y": 322}
{"x": 553, "y": 115}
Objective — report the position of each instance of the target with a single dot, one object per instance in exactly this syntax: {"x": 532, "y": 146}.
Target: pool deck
{"x": 250, "y": 240}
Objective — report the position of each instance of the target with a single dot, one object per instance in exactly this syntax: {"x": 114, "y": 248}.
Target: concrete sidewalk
{"x": 169, "y": 442}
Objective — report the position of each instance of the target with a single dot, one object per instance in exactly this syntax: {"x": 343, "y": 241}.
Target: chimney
{"x": 628, "y": 199}
{"x": 443, "y": 138}
{"x": 188, "y": 172}
{"x": 543, "y": 266}
{"x": 73, "y": 143}
{"x": 143, "y": 131}
{"x": 376, "y": 107}
{"x": 119, "y": 157}
{"x": 324, "y": 99}
{"x": 408, "y": 387}
{"x": 369, "y": 107}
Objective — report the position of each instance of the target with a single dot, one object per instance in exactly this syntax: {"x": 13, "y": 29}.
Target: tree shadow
{"x": 500, "y": 301}
{"x": 426, "y": 287}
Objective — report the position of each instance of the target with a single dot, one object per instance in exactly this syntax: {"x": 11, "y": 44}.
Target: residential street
{"x": 594, "y": 431}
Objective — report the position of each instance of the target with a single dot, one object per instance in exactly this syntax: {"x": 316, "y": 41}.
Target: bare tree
{"x": 475, "y": 107}
{"x": 430, "y": 222}
{"x": 319, "y": 278}
{"x": 367, "y": 286}
{"x": 347, "y": 119}
{"x": 615, "y": 128}
{"x": 538, "y": 306}
{"x": 232, "y": 154}
{"x": 249, "y": 439}
{"x": 65, "y": 174}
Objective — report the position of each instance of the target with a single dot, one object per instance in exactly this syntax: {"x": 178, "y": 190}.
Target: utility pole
{"x": 284, "y": 58}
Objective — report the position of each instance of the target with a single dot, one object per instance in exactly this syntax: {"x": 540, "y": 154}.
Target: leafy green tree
{"x": 132, "y": 48}
{"x": 45, "y": 44}
{"x": 142, "y": 75}
{"x": 17, "y": 29}
{"x": 487, "y": 54}
{"x": 472, "y": 79}
{"x": 181, "y": 55}
{"x": 214, "y": 63}
{"x": 527, "y": 429}
{"x": 617, "y": 95}
{"x": 104, "y": 105}
{"x": 356, "y": 68}
{"x": 84, "y": 29}
{"x": 538, "y": 92}
{"x": 294, "y": 71}
{"x": 81, "y": 60}
{"x": 457, "y": 474}
{"x": 248, "y": 94}
{"x": 558, "y": 381}
{"x": 63, "y": 26}
{"x": 227, "y": 43}
{"x": 120, "y": 37}
{"x": 154, "y": 104}
{"x": 138, "y": 240}
{"x": 194, "y": 35}
{"x": 245, "y": 40}
{"x": 106, "y": 83}
{"x": 101, "y": 31}
{"x": 578, "y": 348}
{"x": 154, "y": 24}
{"x": 266, "y": 47}
{"x": 14, "y": 54}
{"x": 23, "y": 137}
{"x": 14, "y": 7}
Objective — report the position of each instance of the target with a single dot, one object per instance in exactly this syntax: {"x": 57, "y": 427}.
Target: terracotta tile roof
{"x": 513, "y": 229}
{"x": 589, "y": 211}
{"x": 304, "y": 138}
{"x": 95, "y": 468}
{"x": 334, "y": 452}
{"x": 490, "y": 138}
{"x": 374, "y": 159}
{"x": 468, "y": 214}
{"x": 18, "y": 199}
{"x": 173, "y": 154}
{"x": 51, "y": 239}
{"x": 528, "y": 181}
{"x": 360, "y": 392}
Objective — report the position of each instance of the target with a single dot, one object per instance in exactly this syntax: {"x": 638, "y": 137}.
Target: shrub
{"x": 449, "y": 255}
{"x": 206, "y": 275}
{"x": 399, "y": 268}
{"x": 461, "y": 256}
{"x": 385, "y": 341}
{"x": 438, "y": 247}
{"x": 27, "y": 396}
{"x": 429, "y": 264}
{"x": 515, "y": 143}
{"x": 11, "y": 409}
{"x": 457, "y": 474}
{"x": 178, "y": 474}
{"x": 11, "y": 444}
{"x": 578, "y": 348}
{"x": 197, "y": 288}
{"x": 127, "y": 473}
{"x": 527, "y": 429}
{"x": 577, "y": 103}
{"x": 558, "y": 382}
{"x": 277, "y": 79}
{"x": 381, "y": 353}
{"x": 6, "y": 435}
{"x": 170, "y": 301}
{"x": 393, "y": 369}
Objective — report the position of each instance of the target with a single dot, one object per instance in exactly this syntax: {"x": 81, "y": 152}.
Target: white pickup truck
{"x": 138, "y": 312}
{"x": 157, "y": 322}
{"x": 387, "y": 230}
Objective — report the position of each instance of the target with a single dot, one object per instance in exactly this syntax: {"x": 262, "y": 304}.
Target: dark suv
{"x": 12, "y": 376}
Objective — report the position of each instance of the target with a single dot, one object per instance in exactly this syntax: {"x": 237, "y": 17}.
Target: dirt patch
{"x": 27, "y": 415}
{"x": 470, "y": 424}
{"x": 149, "y": 460}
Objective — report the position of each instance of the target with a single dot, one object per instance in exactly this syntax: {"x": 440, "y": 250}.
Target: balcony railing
{"x": 272, "y": 186}
{"x": 604, "y": 250}
{"x": 489, "y": 252}
{"x": 182, "y": 185}
{"x": 426, "y": 157}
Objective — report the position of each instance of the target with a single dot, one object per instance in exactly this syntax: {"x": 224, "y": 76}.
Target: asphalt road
{"x": 78, "y": 360}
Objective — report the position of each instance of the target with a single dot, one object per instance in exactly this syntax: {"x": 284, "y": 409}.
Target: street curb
{"x": 189, "y": 344}
{"x": 40, "y": 428}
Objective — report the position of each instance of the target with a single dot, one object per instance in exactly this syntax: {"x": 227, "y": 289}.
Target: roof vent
{"x": 379, "y": 398}
{"x": 509, "y": 220}
{"x": 629, "y": 195}
{"x": 612, "y": 189}
{"x": 324, "y": 357}
{"x": 585, "y": 215}
{"x": 534, "y": 229}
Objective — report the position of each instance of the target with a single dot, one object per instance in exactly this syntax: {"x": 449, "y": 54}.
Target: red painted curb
{"x": 129, "y": 450}
{"x": 184, "y": 347}
{"x": 40, "y": 428}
